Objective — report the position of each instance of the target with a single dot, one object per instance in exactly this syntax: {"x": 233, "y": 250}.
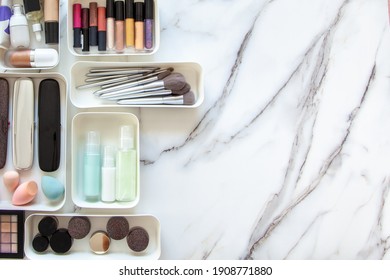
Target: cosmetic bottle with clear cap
{"x": 92, "y": 167}
{"x": 126, "y": 166}
{"x": 19, "y": 34}
{"x": 108, "y": 174}
{"x": 34, "y": 13}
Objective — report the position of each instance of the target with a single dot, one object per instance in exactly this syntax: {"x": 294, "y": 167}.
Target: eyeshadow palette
{"x": 11, "y": 234}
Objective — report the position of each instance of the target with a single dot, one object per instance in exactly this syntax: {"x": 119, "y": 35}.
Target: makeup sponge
{"x": 25, "y": 193}
{"x": 11, "y": 180}
{"x": 117, "y": 228}
{"x": 61, "y": 241}
{"x": 138, "y": 239}
{"x": 48, "y": 225}
{"x": 79, "y": 227}
{"x": 52, "y": 188}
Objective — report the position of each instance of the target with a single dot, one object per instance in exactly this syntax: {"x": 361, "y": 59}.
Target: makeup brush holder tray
{"x": 88, "y": 160}
{"x": 191, "y": 72}
{"x": 126, "y": 26}
{"x": 86, "y": 248}
{"x": 32, "y": 54}
{"x": 56, "y": 151}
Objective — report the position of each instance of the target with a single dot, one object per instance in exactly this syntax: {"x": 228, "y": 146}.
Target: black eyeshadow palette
{"x": 11, "y": 234}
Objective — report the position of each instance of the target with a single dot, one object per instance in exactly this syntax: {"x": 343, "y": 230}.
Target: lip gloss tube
{"x": 85, "y": 26}
{"x": 139, "y": 25}
{"x": 51, "y": 10}
{"x": 149, "y": 24}
{"x": 129, "y": 21}
{"x": 93, "y": 24}
{"x": 110, "y": 18}
{"x": 77, "y": 25}
{"x": 119, "y": 26}
{"x": 102, "y": 25}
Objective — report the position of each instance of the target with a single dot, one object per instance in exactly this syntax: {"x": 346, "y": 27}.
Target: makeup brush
{"x": 144, "y": 76}
{"x": 175, "y": 81}
{"x": 110, "y": 81}
{"x": 159, "y": 92}
{"x": 185, "y": 99}
{"x": 126, "y": 72}
{"x": 125, "y": 87}
{"x": 98, "y": 70}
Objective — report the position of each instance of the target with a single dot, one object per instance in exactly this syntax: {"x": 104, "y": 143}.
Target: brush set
{"x": 139, "y": 86}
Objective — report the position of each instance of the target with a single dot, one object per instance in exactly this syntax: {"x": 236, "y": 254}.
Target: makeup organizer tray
{"x": 80, "y": 249}
{"x": 129, "y": 51}
{"x": 40, "y": 202}
{"x": 85, "y": 98}
{"x": 108, "y": 124}
{"x": 23, "y": 56}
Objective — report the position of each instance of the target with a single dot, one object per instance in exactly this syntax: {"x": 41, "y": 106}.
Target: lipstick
{"x": 149, "y": 24}
{"x": 93, "y": 24}
{"x": 119, "y": 26}
{"x": 77, "y": 25}
{"x": 139, "y": 25}
{"x": 129, "y": 14}
{"x": 102, "y": 29}
{"x": 85, "y": 27}
{"x": 51, "y": 10}
{"x": 110, "y": 15}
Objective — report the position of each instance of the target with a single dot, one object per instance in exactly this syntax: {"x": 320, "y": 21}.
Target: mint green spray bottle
{"x": 92, "y": 167}
{"x": 126, "y": 166}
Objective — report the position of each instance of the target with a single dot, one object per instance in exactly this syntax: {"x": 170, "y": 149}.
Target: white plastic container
{"x": 84, "y": 98}
{"x": 108, "y": 124}
{"x": 40, "y": 202}
{"x": 94, "y": 51}
{"x": 80, "y": 249}
{"x": 34, "y": 44}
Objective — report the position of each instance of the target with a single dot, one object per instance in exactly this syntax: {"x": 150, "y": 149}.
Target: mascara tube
{"x": 77, "y": 25}
{"x": 149, "y": 24}
{"x": 85, "y": 26}
{"x": 102, "y": 25}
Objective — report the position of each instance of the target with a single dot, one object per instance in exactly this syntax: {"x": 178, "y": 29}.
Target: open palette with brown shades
{"x": 11, "y": 234}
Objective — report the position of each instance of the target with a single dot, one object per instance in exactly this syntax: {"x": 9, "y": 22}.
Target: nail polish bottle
{"x": 149, "y": 24}
{"x": 126, "y": 166}
{"x": 91, "y": 174}
{"x": 20, "y": 36}
{"x": 139, "y": 25}
{"x": 108, "y": 174}
{"x": 34, "y": 13}
{"x": 119, "y": 26}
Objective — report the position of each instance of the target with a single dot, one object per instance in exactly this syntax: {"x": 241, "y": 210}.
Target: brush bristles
{"x": 175, "y": 81}
{"x": 182, "y": 91}
{"x": 189, "y": 98}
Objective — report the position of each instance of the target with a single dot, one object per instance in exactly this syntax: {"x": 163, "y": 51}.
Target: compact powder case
{"x": 11, "y": 234}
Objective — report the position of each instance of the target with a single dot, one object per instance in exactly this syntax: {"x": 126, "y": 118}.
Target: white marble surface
{"x": 289, "y": 155}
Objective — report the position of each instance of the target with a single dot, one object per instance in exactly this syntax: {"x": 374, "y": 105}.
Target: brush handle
{"x": 142, "y": 94}
{"x": 168, "y": 100}
{"x": 145, "y": 87}
{"x": 127, "y": 72}
{"x": 133, "y": 86}
{"x": 99, "y": 70}
{"x": 115, "y": 96}
{"x": 106, "y": 82}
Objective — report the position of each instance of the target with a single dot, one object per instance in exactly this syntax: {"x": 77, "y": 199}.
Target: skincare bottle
{"x": 34, "y": 13}
{"x": 92, "y": 167}
{"x": 20, "y": 36}
{"x": 5, "y": 15}
{"x": 108, "y": 174}
{"x": 126, "y": 166}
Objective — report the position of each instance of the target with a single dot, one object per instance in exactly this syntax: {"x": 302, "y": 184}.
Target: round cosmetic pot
{"x": 99, "y": 242}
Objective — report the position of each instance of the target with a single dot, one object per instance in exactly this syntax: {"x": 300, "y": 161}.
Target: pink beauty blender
{"x": 11, "y": 180}
{"x": 25, "y": 193}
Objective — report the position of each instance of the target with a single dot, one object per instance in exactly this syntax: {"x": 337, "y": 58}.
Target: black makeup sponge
{"x": 48, "y": 225}
{"x": 138, "y": 239}
{"x": 79, "y": 227}
{"x": 117, "y": 228}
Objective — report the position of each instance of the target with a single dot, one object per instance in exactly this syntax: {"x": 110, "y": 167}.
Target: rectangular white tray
{"x": 40, "y": 203}
{"x": 93, "y": 50}
{"x": 80, "y": 250}
{"x": 84, "y": 98}
{"x": 34, "y": 44}
{"x": 108, "y": 124}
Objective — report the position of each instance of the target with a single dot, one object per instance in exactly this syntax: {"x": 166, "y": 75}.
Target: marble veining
{"x": 289, "y": 155}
